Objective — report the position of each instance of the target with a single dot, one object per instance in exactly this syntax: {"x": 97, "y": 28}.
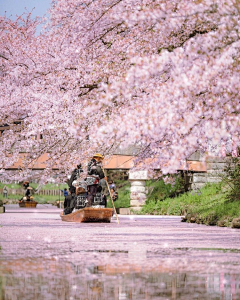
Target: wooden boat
{"x": 24, "y": 203}
{"x": 89, "y": 214}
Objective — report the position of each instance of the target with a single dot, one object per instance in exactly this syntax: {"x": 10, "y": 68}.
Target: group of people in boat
{"x": 28, "y": 192}
{"x": 88, "y": 191}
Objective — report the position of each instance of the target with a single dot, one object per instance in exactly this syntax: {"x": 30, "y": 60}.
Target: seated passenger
{"x": 95, "y": 173}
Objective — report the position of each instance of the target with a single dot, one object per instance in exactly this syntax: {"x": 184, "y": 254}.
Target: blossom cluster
{"x": 162, "y": 75}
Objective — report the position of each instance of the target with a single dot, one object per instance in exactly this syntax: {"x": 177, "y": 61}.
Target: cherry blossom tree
{"x": 162, "y": 75}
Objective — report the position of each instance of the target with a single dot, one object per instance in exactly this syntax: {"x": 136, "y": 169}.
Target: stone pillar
{"x": 138, "y": 191}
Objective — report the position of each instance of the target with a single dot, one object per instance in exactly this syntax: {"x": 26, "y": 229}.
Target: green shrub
{"x": 232, "y": 178}
{"x": 167, "y": 187}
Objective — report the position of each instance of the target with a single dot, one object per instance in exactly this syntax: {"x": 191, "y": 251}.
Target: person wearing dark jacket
{"x": 70, "y": 199}
{"x": 95, "y": 166}
{"x": 26, "y": 184}
{"x": 74, "y": 176}
{"x": 95, "y": 174}
{"x": 28, "y": 193}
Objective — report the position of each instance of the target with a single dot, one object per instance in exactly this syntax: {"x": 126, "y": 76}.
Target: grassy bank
{"x": 208, "y": 205}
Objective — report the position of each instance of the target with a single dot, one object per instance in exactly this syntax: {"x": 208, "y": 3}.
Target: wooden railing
{"x": 41, "y": 192}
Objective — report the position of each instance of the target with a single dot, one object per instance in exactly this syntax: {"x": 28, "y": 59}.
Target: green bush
{"x": 168, "y": 187}
{"x": 232, "y": 178}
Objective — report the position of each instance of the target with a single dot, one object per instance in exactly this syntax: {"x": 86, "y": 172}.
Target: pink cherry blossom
{"x": 162, "y": 75}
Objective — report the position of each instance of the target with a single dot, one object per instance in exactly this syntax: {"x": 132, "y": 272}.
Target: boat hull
{"x": 28, "y": 203}
{"x": 89, "y": 214}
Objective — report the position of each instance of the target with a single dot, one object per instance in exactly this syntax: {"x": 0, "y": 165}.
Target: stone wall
{"x": 214, "y": 173}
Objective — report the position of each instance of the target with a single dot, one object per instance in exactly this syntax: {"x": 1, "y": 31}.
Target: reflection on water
{"x": 62, "y": 279}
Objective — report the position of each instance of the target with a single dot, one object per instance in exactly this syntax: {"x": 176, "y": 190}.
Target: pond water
{"x": 142, "y": 258}
{"x": 87, "y": 276}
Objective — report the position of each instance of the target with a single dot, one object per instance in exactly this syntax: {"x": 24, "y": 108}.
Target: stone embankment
{"x": 212, "y": 221}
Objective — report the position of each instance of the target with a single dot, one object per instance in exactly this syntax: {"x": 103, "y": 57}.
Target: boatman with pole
{"x": 96, "y": 173}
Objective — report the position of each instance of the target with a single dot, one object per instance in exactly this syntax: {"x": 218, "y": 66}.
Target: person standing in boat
{"x": 25, "y": 184}
{"x": 95, "y": 174}
{"x": 28, "y": 193}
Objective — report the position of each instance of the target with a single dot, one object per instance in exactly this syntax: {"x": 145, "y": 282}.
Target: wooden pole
{"x": 111, "y": 196}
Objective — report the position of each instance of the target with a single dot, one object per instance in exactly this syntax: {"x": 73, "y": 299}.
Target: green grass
{"x": 158, "y": 190}
{"x": 47, "y": 198}
{"x": 207, "y": 206}
{"x": 39, "y": 198}
{"x": 190, "y": 201}
{"x": 10, "y": 185}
